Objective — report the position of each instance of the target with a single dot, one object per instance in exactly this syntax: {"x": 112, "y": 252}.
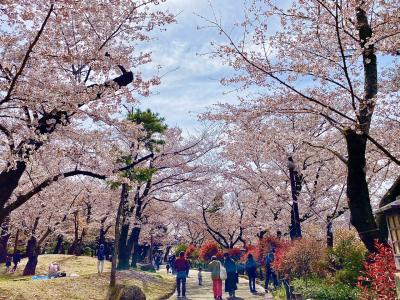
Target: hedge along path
{"x": 204, "y": 292}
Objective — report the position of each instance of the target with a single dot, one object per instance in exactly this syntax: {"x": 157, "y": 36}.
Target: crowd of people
{"x": 225, "y": 270}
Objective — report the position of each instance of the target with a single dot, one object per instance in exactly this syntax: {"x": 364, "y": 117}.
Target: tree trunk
{"x": 102, "y": 236}
{"x": 295, "y": 224}
{"x": 135, "y": 234}
{"x": 8, "y": 183}
{"x": 124, "y": 196}
{"x": 124, "y": 252}
{"x": 72, "y": 248}
{"x": 32, "y": 252}
{"x": 362, "y": 217}
{"x": 103, "y": 232}
{"x": 79, "y": 244}
{"x": 329, "y": 232}
{"x": 60, "y": 239}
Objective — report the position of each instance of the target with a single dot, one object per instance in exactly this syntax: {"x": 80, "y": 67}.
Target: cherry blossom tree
{"x": 323, "y": 61}
{"x": 65, "y": 65}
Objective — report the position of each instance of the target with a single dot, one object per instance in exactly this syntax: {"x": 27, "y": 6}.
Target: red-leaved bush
{"x": 378, "y": 280}
{"x": 281, "y": 250}
{"x": 209, "y": 249}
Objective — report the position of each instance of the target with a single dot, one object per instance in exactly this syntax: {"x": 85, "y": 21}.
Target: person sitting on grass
{"x": 54, "y": 270}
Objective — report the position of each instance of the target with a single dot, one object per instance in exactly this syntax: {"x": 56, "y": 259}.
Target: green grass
{"x": 89, "y": 285}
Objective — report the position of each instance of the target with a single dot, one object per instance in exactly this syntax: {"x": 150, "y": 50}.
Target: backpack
{"x": 100, "y": 254}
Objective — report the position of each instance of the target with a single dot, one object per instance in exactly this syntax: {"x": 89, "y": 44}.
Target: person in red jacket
{"x": 182, "y": 269}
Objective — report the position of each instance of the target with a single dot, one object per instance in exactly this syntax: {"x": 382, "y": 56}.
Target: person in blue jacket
{"x": 100, "y": 259}
{"x": 251, "y": 270}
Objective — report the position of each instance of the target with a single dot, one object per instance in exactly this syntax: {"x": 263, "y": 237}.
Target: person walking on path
{"x": 270, "y": 273}
{"x": 157, "y": 262}
{"x": 251, "y": 270}
{"x": 100, "y": 259}
{"x": 16, "y": 259}
{"x": 200, "y": 276}
{"x": 182, "y": 269}
{"x": 232, "y": 276}
{"x": 173, "y": 260}
{"x": 215, "y": 268}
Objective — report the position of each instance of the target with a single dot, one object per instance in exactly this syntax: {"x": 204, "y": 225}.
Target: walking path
{"x": 204, "y": 292}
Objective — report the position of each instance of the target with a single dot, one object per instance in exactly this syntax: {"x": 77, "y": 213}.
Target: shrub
{"x": 279, "y": 294}
{"x": 301, "y": 258}
{"x": 322, "y": 290}
{"x": 180, "y": 248}
{"x": 208, "y": 250}
{"x": 192, "y": 252}
{"x": 378, "y": 280}
{"x": 87, "y": 251}
{"x": 348, "y": 255}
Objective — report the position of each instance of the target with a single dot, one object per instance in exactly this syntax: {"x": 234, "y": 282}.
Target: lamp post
{"x": 295, "y": 227}
{"x": 392, "y": 213}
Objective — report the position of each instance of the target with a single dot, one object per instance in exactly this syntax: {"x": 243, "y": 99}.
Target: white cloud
{"x": 192, "y": 83}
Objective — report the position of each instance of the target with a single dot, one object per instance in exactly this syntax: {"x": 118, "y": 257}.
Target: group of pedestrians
{"x": 15, "y": 259}
{"x": 225, "y": 270}
{"x": 270, "y": 275}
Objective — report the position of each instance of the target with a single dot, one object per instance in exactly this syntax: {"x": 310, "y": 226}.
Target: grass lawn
{"x": 89, "y": 285}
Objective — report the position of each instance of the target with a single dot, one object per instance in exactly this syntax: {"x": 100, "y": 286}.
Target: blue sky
{"x": 193, "y": 81}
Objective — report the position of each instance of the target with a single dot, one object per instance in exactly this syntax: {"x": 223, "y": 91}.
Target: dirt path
{"x": 196, "y": 292}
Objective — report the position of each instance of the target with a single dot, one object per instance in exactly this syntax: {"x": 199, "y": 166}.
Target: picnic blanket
{"x": 45, "y": 277}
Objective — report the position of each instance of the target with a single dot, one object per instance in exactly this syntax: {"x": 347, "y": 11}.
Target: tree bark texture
{"x": 32, "y": 252}
{"x": 135, "y": 234}
{"x": 362, "y": 217}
